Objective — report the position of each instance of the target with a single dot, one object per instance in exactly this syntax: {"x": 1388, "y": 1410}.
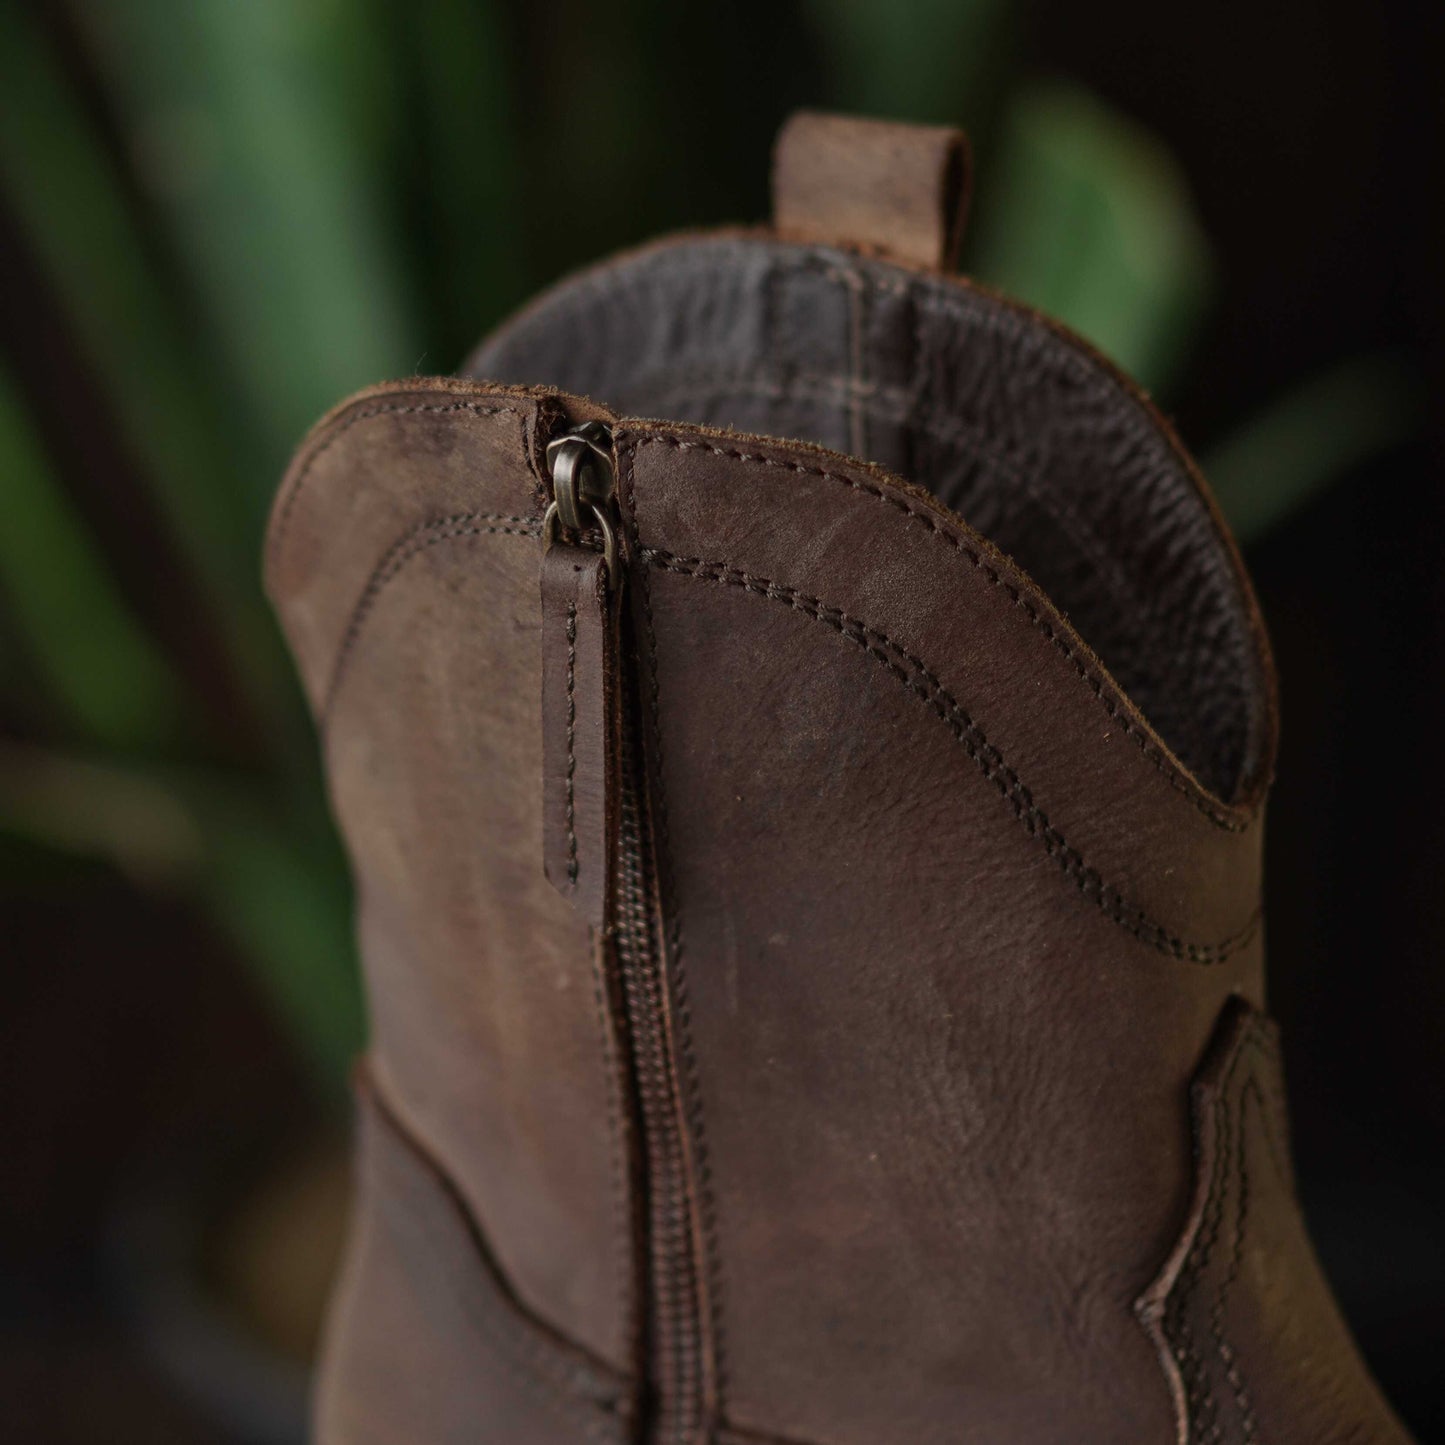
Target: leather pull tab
{"x": 882, "y": 185}
{"x": 579, "y": 726}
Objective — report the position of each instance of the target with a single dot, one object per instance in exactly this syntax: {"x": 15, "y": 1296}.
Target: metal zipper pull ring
{"x": 583, "y": 483}
{"x": 580, "y": 593}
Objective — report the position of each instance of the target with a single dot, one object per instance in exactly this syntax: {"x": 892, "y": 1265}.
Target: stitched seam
{"x": 1224, "y": 1349}
{"x": 525, "y": 1359}
{"x": 1096, "y": 685}
{"x": 993, "y": 315}
{"x": 692, "y": 1090}
{"x": 916, "y": 676}
{"x": 884, "y": 402}
{"x": 962, "y": 440}
{"x": 1163, "y": 652}
{"x": 395, "y": 558}
{"x": 1203, "y": 1406}
{"x": 283, "y": 517}
{"x": 571, "y": 743}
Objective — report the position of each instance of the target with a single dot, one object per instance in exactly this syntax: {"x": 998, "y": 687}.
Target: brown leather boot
{"x": 809, "y": 889}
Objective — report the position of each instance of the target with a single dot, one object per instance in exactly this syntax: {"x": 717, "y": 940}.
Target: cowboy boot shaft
{"x": 811, "y": 919}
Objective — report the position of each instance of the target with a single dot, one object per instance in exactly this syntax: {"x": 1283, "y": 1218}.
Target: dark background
{"x": 216, "y": 219}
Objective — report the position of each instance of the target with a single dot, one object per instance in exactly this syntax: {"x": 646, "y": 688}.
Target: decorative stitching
{"x": 395, "y": 558}
{"x": 283, "y": 516}
{"x": 911, "y": 671}
{"x": 571, "y": 737}
{"x": 1166, "y": 767}
{"x": 1072, "y": 361}
{"x": 969, "y": 443}
{"x": 1208, "y": 1404}
{"x": 692, "y": 1092}
{"x": 1224, "y": 1349}
{"x": 1230, "y": 1140}
{"x": 894, "y": 405}
{"x": 1199, "y": 1388}
{"x": 889, "y": 403}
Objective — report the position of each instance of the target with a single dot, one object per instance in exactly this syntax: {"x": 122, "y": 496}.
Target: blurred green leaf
{"x": 928, "y": 60}
{"x": 463, "y": 172}
{"x": 79, "y": 633}
{"x": 277, "y": 884}
{"x": 1309, "y": 438}
{"x": 75, "y": 210}
{"x": 239, "y": 117}
{"x": 272, "y": 877}
{"x": 598, "y": 106}
{"x": 1088, "y": 217}
{"x": 91, "y": 808}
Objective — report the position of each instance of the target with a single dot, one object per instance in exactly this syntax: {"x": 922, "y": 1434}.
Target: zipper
{"x": 629, "y": 910}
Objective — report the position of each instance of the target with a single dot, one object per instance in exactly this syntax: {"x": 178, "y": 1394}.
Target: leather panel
{"x": 907, "y": 1136}
{"x": 1008, "y": 419}
{"x": 404, "y": 566}
{"x": 579, "y": 727}
{"x": 1075, "y": 766}
{"x": 959, "y": 875}
{"x": 425, "y": 1343}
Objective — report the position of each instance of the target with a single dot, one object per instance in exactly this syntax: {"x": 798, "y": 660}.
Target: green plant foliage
{"x": 238, "y": 124}
{"x": 267, "y": 870}
{"x": 1087, "y": 216}
{"x": 195, "y": 455}
{"x": 931, "y": 60}
{"x": 1309, "y": 438}
{"x": 462, "y": 170}
{"x": 92, "y": 809}
{"x": 110, "y": 683}
{"x": 247, "y": 208}
{"x": 274, "y": 878}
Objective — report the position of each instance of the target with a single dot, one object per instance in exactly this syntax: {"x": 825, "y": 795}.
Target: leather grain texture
{"x": 894, "y": 910}
{"x": 424, "y": 1316}
{"x": 1011, "y": 423}
{"x": 404, "y": 556}
{"x": 1253, "y": 1343}
{"x": 902, "y": 189}
{"x": 939, "y": 852}
{"x": 579, "y": 727}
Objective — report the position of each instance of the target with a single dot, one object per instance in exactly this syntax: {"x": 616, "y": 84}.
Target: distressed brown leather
{"x": 579, "y": 726}
{"x": 918, "y": 1086}
{"x": 902, "y": 189}
{"x": 449, "y": 1318}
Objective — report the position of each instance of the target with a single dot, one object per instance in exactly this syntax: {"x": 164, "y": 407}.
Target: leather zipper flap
{"x": 579, "y": 725}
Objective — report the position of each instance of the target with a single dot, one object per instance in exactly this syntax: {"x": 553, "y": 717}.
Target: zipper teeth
{"x": 674, "y": 1346}
{"x": 672, "y": 1327}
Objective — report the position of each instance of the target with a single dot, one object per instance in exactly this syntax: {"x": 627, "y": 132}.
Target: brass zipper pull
{"x": 581, "y": 586}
